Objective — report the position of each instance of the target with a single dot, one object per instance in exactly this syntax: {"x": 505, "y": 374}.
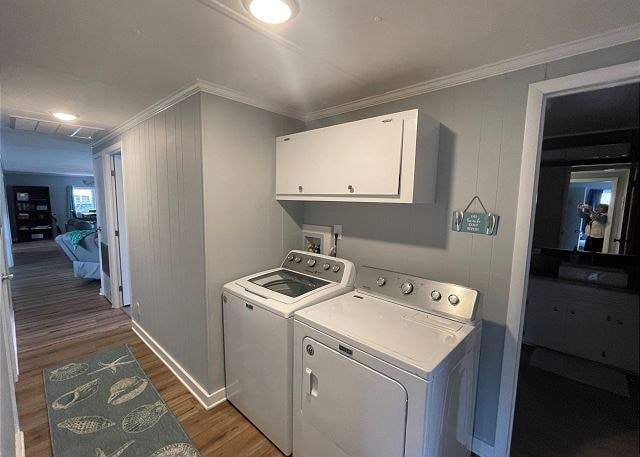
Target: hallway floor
{"x": 60, "y": 318}
{"x": 559, "y": 417}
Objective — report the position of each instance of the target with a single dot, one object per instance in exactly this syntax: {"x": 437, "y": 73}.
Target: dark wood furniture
{"x": 32, "y": 213}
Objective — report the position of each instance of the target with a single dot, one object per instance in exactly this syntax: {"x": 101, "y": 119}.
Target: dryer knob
{"x": 435, "y": 295}
{"x": 298, "y": 260}
{"x": 381, "y": 281}
{"x": 290, "y": 257}
{"x": 336, "y": 268}
{"x": 326, "y": 266}
{"x": 406, "y": 288}
{"x": 453, "y": 299}
{"x": 311, "y": 262}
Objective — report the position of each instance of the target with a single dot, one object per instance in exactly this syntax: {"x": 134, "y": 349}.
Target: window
{"x": 84, "y": 200}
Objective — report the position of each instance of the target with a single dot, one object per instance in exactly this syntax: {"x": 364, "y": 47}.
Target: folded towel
{"x": 77, "y": 236}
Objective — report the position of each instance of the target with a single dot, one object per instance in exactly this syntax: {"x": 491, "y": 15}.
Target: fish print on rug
{"x": 117, "y": 453}
{"x": 77, "y": 395}
{"x": 143, "y": 417}
{"x": 85, "y": 425}
{"x": 68, "y": 371}
{"x": 112, "y": 366}
{"x": 176, "y": 450}
{"x": 126, "y": 389}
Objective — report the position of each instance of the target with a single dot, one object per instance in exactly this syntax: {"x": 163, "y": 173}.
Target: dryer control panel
{"x": 444, "y": 299}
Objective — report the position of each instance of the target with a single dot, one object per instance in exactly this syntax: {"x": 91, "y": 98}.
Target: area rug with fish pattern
{"x": 105, "y": 406}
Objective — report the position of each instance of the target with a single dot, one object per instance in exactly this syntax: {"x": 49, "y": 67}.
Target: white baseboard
{"x": 206, "y": 399}
{"x": 20, "y": 445}
{"x": 482, "y": 449}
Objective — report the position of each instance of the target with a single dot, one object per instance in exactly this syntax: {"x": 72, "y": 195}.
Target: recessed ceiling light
{"x": 272, "y": 11}
{"x": 65, "y": 116}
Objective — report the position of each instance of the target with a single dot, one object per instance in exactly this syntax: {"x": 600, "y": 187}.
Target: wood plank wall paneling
{"x": 247, "y": 230}
{"x": 60, "y": 318}
{"x": 201, "y": 211}
{"x": 480, "y": 153}
{"x": 162, "y": 161}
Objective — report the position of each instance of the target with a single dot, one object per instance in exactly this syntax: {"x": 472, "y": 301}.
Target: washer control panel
{"x": 448, "y": 300}
{"x": 324, "y": 267}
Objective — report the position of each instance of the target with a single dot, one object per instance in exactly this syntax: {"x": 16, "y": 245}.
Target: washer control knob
{"x": 326, "y": 266}
{"x": 311, "y": 262}
{"x": 290, "y": 257}
{"x": 298, "y": 260}
{"x": 453, "y": 299}
{"x": 435, "y": 295}
{"x": 336, "y": 268}
{"x": 381, "y": 281}
{"x": 406, "y": 287}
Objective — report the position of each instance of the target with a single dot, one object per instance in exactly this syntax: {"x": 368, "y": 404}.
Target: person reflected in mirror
{"x": 595, "y": 225}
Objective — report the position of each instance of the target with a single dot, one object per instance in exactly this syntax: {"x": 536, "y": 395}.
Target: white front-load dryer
{"x": 258, "y": 335}
{"x": 388, "y": 370}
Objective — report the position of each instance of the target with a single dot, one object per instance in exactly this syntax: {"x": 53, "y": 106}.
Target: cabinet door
{"x": 545, "y": 322}
{"x": 358, "y": 158}
{"x": 622, "y": 338}
{"x": 586, "y": 330}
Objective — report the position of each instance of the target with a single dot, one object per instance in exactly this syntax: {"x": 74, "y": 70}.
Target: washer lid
{"x": 412, "y": 340}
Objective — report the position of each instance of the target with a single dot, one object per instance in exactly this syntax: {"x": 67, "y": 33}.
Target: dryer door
{"x": 357, "y": 411}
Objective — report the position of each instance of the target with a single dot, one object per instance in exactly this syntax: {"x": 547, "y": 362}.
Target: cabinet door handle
{"x": 299, "y": 188}
{"x": 604, "y": 353}
{"x": 620, "y": 322}
{"x": 572, "y": 312}
{"x": 350, "y": 187}
{"x": 555, "y": 308}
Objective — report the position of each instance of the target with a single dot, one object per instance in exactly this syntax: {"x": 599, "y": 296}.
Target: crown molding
{"x": 187, "y": 91}
{"x": 570, "y": 49}
{"x": 224, "y": 92}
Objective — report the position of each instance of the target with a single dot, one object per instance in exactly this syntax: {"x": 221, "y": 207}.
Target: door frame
{"x": 111, "y": 214}
{"x": 538, "y": 95}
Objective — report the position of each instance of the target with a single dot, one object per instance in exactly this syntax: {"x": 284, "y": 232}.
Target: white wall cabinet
{"x": 596, "y": 324}
{"x": 389, "y": 158}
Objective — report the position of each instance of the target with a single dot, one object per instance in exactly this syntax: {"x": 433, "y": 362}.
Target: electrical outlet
{"x": 138, "y": 308}
{"x": 337, "y": 230}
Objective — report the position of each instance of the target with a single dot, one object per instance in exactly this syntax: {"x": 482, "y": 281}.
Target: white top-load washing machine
{"x": 388, "y": 370}
{"x": 258, "y": 335}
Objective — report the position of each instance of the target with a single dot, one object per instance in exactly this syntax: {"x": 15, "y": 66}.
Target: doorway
{"x": 113, "y": 233}
{"x": 581, "y": 320}
{"x": 544, "y": 150}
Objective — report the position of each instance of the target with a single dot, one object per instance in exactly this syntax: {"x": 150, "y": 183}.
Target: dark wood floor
{"x": 60, "y": 318}
{"x": 559, "y": 417}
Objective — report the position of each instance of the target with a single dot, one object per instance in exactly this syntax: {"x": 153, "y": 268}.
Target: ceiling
{"x": 62, "y": 129}
{"x": 614, "y": 108}
{"x": 29, "y": 152}
{"x": 108, "y": 60}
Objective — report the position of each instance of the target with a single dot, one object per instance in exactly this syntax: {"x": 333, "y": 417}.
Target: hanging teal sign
{"x": 480, "y": 223}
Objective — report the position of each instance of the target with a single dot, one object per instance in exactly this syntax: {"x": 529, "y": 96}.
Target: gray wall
{"x": 57, "y": 191}
{"x": 246, "y": 229}
{"x": 165, "y": 225}
{"x": 480, "y": 152}
{"x": 201, "y": 211}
